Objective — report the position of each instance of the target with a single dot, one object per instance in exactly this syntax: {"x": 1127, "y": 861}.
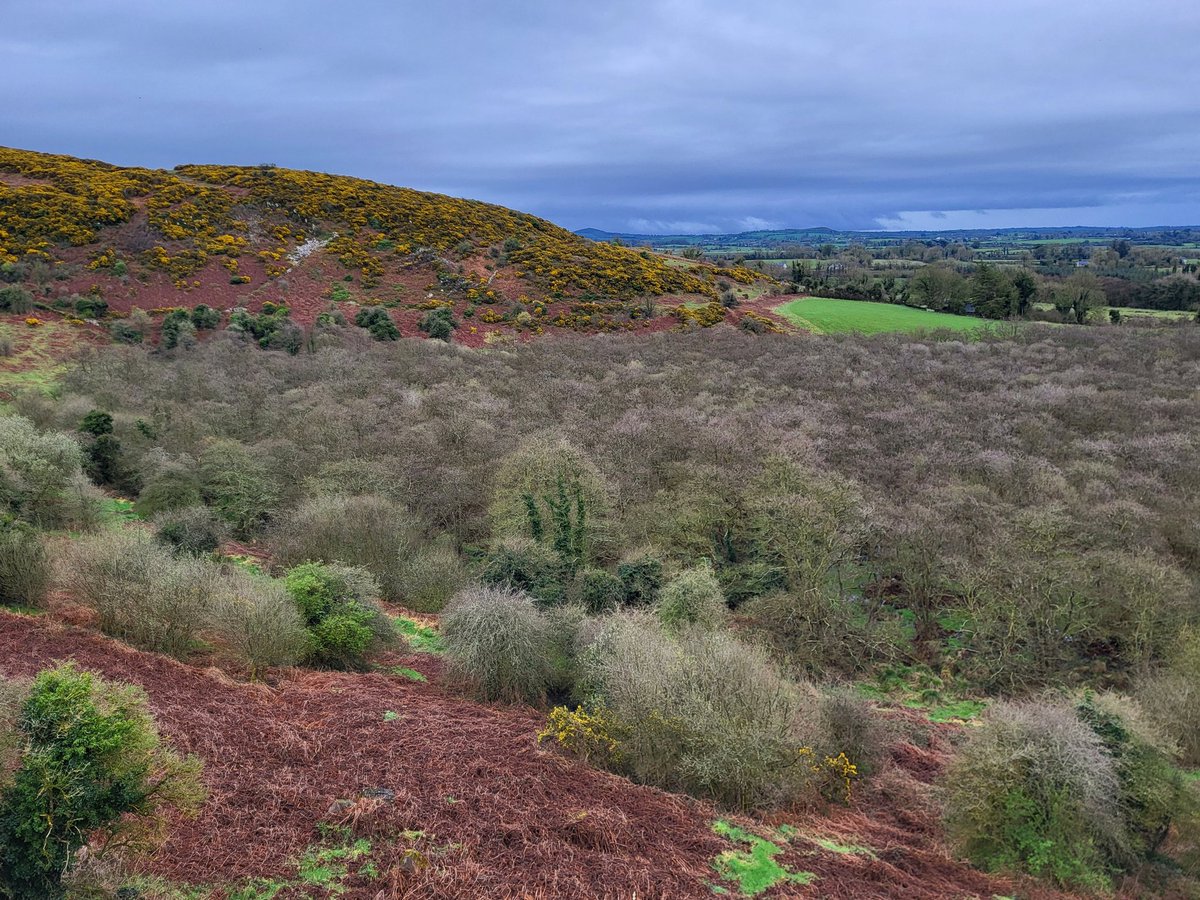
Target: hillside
{"x": 452, "y": 798}
{"x": 89, "y": 241}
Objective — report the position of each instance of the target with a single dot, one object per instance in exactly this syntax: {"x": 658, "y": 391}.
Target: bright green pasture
{"x": 822, "y": 315}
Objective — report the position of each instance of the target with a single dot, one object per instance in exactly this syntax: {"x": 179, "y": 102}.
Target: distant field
{"x": 825, "y": 316}
{"x": 1130, "y": 312}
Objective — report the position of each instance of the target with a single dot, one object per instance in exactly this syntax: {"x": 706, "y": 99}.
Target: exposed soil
{"x": 499, "y": 816}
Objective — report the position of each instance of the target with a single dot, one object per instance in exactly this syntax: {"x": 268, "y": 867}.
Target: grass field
{"x": 825, "y": 316}
{"x": 1100, "y": 313}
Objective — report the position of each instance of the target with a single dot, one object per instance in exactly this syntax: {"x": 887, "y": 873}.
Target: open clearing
{"x": 822, "y": 315}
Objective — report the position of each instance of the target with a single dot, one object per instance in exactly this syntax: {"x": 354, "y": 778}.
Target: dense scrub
{"x": 1009, "y": 512}
{"x": 670, "y": 542}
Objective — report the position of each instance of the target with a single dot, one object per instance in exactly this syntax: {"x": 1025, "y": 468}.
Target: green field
{"x": 1100, "y": 313}
{"x": 825, "y": 316}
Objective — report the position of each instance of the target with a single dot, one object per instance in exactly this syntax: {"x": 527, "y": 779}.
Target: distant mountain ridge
{"x": 819, "y": 235}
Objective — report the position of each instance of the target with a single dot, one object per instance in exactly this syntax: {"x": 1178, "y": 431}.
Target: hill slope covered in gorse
{"x": 89, "y": 240}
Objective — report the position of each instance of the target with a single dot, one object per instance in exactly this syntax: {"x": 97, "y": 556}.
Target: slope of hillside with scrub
{"x": 92, "y": 242}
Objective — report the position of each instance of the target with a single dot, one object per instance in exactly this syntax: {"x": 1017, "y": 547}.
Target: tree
{"x": 993, "y": 295}
{"x": 102, "y": 450}
{"x": 38, "y": 471}
{"x": 551, "y": 491}
{"x": 1078, "y": 295}
{"x": 936, "y": 287}
{"x": 1026, "y": 286}
{"x": 239, "y": 484}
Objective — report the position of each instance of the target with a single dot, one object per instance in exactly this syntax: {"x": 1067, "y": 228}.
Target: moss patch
{"x": 754, "y": 870}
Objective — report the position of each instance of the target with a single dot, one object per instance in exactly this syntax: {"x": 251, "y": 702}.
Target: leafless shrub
{"x": 365, "y": 531}
{"x": 256, "y": 620}
{"x": 142, "y": 593}
{"x": 1034, "y": 787}
{"x": 705, "y": 714}
{"x": 25, "y": 569}
{"x": 1036, "y": 489}
{"x": 499, "y": 644}
{"x": 428, "y": 574}
{"x": 1171, "y": 696}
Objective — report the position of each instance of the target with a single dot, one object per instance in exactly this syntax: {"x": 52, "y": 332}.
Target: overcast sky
{"x": 654, "y": 115}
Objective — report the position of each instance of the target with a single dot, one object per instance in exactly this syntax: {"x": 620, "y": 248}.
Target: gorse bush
{"x": 439, "y": 323}
{"x": 499, "y": 645}
{"x": 600, "y": 591}
{"x": 25, "y": 570}
{"x": 525, "y": 565}
{"x": 337, "y": 605}
{"x": 90, "y": 767}
{"x": 317, "y": 588}
{"x": 692, "y": 598}
{"x": 704, "y": 714}
{"x": 377, "y": 321}
{"x": 641, "y": 575}
{"x": 852, "y": 727}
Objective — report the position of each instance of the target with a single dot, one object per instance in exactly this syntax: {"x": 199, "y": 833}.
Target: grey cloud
{"x": 664, "y": 113}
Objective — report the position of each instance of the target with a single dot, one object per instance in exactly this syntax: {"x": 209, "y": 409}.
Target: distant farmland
{"x": 826, "y": 316}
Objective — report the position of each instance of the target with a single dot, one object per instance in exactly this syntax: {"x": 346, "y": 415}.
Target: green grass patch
{"x": 422, "y": 638}
{"x": 248, "y": 564}
{"x": 822, "y": 315}
{"x": 326, "y": 866}
{"x": 405, "y": 672}
{"x": 957, "y": 711}
{"x": 118, "y": 511}
{"x": 753, "y": 870}
{"x": 1193, "y": 775}
{"x": 36, "y": 359}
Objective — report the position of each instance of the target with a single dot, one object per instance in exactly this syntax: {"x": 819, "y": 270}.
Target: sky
{"x": 647, "y": 115}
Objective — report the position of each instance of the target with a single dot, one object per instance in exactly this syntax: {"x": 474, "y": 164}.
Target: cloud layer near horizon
{"x": 659, "y": 115}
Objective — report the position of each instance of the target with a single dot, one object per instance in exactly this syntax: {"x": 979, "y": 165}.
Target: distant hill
{"x": 785, "y": 237}
{"x": 74, "y": 232}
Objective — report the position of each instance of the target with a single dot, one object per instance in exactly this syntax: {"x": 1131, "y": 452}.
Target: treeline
{"x": 996, "y": 292}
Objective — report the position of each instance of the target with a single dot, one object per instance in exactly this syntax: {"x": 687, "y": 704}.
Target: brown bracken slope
{"x": 476, "y": 808}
